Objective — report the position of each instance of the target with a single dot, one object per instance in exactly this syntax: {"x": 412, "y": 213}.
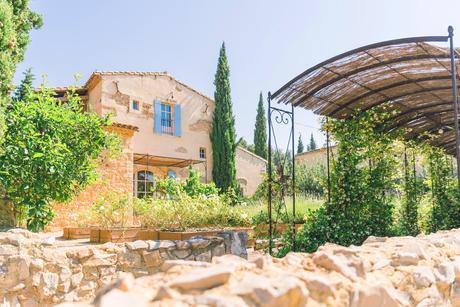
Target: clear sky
{"x": 268, "y": 42}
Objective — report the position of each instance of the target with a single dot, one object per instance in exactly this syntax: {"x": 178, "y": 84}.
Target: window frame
{"x": 202, "y": 150}
{"x": 169, "y": 130}
{"x": 135, "y": 102}
{"x": 144, "y": 182}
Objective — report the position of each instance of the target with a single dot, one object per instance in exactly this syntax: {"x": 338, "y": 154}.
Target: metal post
{"x": 270, "y": 234}
{"x": 293, "y": 177}
{"x": 328, "y": 165}
{"x": 455, "y": 100}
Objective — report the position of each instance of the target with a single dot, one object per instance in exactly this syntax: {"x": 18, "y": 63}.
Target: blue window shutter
{"x": 177, "y": 120}
{"x": 157, "y": 116}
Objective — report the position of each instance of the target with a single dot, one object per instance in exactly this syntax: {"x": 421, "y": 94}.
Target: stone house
{"x": 164, "y": 125}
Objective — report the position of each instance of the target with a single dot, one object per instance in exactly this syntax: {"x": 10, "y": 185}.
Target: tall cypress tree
{"x": 260, "y": 131}
{"x": 312, "y": 145}
{"x": 300, "y": 147}
{"x": 223, "y": 128}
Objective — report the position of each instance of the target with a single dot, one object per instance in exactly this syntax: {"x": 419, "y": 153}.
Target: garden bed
{"x": 74, "y": 233}
{"x": 116, "y": 235}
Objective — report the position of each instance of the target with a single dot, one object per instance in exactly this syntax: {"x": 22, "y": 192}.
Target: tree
{"x": 300, "y": 148}
{"x": 23, "y": 90}
{"x": 312, "y": 145}
{"x": 16, "y": 21}
{"x": 260, "y": 131}
{"x": 243, "y": 143}
{"x": 223, "y": 128}
{"x": 50, "y": 150}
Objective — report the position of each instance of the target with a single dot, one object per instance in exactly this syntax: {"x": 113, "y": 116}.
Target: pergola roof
{"x": 411, "y": 74}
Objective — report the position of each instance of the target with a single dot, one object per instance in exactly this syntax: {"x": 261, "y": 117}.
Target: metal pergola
{"x": 418, "y": 79}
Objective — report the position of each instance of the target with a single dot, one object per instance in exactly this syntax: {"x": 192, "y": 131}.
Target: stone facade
{"x": 417, "y": 271}
{"x": 39, "y": 271}
{"x": 114, "y": 175}
{"x": 250, "y": 170}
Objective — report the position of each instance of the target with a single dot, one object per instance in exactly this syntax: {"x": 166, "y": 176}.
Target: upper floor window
{"x": 144, "y": 184}
{"x": 166, "y": 119}
{"x": 135, "y": 105}
{"x": 202, "y": 153}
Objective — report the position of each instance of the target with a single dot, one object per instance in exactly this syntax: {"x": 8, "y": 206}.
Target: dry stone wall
{"x": 37, "y": 271}
{"x": 400, "y": 271}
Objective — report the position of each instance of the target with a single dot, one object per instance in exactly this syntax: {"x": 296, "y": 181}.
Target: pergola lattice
{"x": 412, "y": 74}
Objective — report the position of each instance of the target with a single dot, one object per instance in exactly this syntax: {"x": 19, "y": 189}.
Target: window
{"x": 172, "y": 174}
{"x": 144, "y": 184}
{"x": 202, "y": 153}
{"x": 135, "y": 105}
{"x": 166, "y": 119}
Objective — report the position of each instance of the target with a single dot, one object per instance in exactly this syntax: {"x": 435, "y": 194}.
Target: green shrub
{"x": 187, "y": 212}
{"x": 194, "y": 187}
{"x": 310, "y": 179}
{"x": 112, "y": 210}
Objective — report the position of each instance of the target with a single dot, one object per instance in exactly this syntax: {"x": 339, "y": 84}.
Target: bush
{"x": 194, "y": 187}
{"x": 310, "y": 179}
{"x": 186, "y": 212}
{"x": 112, "y": 210}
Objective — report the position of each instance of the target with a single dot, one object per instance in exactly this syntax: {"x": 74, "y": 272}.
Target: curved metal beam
{"x": 417, "y": 109}
{"x": 407, "y": 40}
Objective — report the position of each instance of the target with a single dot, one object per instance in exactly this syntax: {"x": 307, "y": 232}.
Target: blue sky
{"x": 268, "y": 42}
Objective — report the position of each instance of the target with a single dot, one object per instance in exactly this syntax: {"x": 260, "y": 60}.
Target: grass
{"x": 301, "y": 207}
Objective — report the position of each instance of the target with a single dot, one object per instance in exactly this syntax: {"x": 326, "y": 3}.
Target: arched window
{"x": 172, "y": 174}
{"x": 144, "y": 184}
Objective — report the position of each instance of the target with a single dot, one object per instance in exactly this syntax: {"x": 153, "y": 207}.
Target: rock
{"x": 182, "y": 253}
{"x": 203, "y": 278}
{"x": 373, "y": 239}
{"x": 281, "y": 291}
{"x": 162, "y": 245}
{"x": 116, "y": 298}
{"x": 217, "y": 300}
{"x": 100, "y": 259}
{"x": 168, "y": 264}
{"x": 319, "y": 285}
{"x": 152, "y": 259}
{"x": 137, "y": 245}
{"x": 199, "y": 243}
{"x": 8, "y": 250}
{"x": 404, "y": 258}
{"x": 37, "y": 264}
{"x": 76, "y": 279}
{"x": 378, "y": 295}
{"x": 205, "y": 256}
{"x": 455, "y": 294}
{"x": 166, "y": 293}
{"x": 423, "y": 276}
{"x": 235, "y": 242}
{"x": 183, "y": 245}
{"x": 334, "y": 263}
{"x": 48, "y": 284}
{"x": 218, "y": 251}
{"x": 445, "y": 274}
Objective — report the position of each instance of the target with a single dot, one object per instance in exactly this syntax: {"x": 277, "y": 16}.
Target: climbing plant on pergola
{"x": 415, "y": 78}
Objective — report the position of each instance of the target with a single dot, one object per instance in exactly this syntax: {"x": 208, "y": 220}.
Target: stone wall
{"x": 37, "y": 270}
{"x": 417, "y": 271}
{"x": 115, "y": 173}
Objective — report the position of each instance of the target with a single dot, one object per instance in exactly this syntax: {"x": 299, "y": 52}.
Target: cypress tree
{"x": 300, "y": 147}
{"x": 223, "y": 128}
{"x": 25, "y": 87}
{"x": 312, "y": 145}
{"x": 260, "y": 131}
